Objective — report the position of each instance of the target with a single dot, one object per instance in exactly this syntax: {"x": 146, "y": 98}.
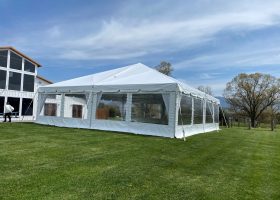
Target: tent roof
{"x": 137, "y": 74}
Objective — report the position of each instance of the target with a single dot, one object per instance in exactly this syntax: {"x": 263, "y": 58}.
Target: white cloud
{"x": 149, "y": 32}
{"x": 167, "y": 36}
{"x": 236, "y": 58}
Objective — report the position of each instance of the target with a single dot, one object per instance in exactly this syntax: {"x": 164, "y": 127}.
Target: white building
{"x": 19, "y": 82}
{"x": 135, "y": 99}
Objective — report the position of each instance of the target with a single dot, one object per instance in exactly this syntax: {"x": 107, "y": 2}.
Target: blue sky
{"x": 208, "y": 42}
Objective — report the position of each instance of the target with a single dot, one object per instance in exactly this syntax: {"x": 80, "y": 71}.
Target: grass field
{"x": 41, "y": 162}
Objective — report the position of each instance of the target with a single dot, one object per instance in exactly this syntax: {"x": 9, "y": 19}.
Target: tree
{"x": 165, "y": 68}
{"x": 252, "y": 94}
{"x": 271, "y": 115}
{"x": 273, "y": 111}
{"x": 206, "y": 89}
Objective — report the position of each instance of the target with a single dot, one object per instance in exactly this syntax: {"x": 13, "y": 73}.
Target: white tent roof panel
{"x": 137, "y": 76}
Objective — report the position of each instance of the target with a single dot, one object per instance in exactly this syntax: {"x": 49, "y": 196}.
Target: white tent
{"x": 135, "y": 99}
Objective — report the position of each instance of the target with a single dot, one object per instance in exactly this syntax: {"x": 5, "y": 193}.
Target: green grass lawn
{"x": 42, "y": 162}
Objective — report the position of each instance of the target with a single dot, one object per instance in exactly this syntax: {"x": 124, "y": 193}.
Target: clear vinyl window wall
{"x": 198, "y": 111}
{"x": 75, "y": 106}
{"x": 111, "y": 107}
{"x": 185, "y": 111}
{"x": 150, "y": 108}
{"x": 50, "y": 105}
{"x": 216, "y": 113}
{"x": 209, "y": 112}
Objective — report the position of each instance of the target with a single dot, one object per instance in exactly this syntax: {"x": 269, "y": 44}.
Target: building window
{"x": 149, "y": 108}
{"x": 3, "y": 75}
{"x": 185, "y": 111}
{"x": 2, "y": 101}
{"x": 198, "y": 111}
{"x": 77, "y": 111}
{"x": 14, "y": 81}
{"x": 28, "y": 66}
{"x": 111, "y": 107}
{"x": 3, "y": 58}
{"x": 75, "y": 106}
{"x": 50, "y": 109}
{"x": 28, "y": 83}
{"x": 15, "y": 103}
{"x": 27, "y": 107}
{"x": 15, "y": 61}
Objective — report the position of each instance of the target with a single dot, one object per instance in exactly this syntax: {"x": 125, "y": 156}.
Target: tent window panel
{"x": 149, "y": 108}
{"x": 209, "y": 112}
{"x": 15, "y": 61}
{"x": 216, "y": 113}
{"x": 28, "y": 66}
{"x": 2, "y": 101}
{"x": 14, "y": 81}
{"x": 3, "y": 58}
{"x": 3, "y": 75}
{"x": 15, "y": 103}
{"x": 185, "y": 115}
{"x": 27, "y": 107}
{"x": 51, "y": 105}
{"x": 112, "y": 107}
{"x": 198, "y": 111}
{"x": 75, "y": 106}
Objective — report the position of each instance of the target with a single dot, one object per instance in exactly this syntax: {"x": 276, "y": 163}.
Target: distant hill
{"x": 224, "y": 104}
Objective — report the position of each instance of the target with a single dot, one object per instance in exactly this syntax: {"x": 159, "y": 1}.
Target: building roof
{"x": 21, "y": 54}
{"x": 133, "y": 76}
{"x": 43, "y": 79}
